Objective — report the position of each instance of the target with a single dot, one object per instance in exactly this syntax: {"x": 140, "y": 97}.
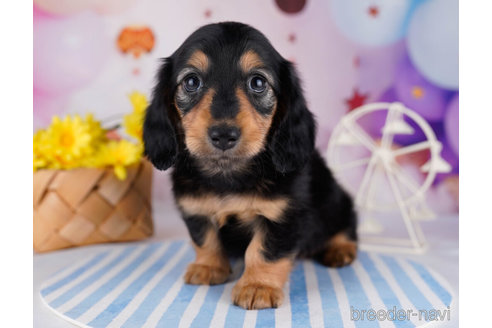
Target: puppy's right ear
{"x": 159, "y": 135}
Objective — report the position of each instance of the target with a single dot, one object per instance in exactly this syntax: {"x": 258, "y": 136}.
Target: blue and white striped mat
{"x": 141, "y": 285}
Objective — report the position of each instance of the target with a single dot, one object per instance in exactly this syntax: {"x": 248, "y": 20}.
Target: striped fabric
{"x": 141, "y": 286}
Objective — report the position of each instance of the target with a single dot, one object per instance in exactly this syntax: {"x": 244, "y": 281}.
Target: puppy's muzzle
{"x": 223, "y": 136}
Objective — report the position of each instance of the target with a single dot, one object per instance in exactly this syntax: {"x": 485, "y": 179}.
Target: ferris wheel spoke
{"x": 365, "y": 180}
{"x": 387, "y": 137}
{"x": 412, "y": 148}
{"x": 354, "y": 129}
{"x": 353, "y": 164}
{"x": 403, "y": 177}
{"x": 404, "y": 212}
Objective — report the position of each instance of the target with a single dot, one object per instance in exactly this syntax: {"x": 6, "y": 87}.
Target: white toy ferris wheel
{"x": 368, "y": 166}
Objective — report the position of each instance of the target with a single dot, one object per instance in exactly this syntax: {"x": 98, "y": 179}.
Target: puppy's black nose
{"x": 223, "y": 136}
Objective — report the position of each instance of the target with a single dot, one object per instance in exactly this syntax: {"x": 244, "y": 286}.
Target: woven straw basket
{"x": 87, "y": 206}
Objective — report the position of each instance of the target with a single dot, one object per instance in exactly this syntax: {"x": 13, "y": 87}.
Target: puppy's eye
{"x": 192, "y": 83}
{"x": 257, "y": 83}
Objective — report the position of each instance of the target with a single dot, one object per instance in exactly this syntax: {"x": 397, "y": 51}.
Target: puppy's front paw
{"x": 199, "y": 274}
{"x": 255, "y": 296}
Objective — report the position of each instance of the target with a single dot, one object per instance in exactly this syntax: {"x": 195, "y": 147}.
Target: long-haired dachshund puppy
{"x": 229, "y": 114}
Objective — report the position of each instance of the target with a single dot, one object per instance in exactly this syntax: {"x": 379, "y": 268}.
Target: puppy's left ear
{"x": 159, "y": 134}
{"x": 292, "y": 142}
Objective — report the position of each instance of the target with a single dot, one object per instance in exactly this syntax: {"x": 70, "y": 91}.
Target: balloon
{"x": 291, "y": 6}
{"x": 70, "y": 7}
{"x": 417, "y": 93}
{"x": 376, "y": 67}
{"x": 68, "y": 52}
{"x": 45, "y": 106}
{"x": 374, "y": 123}
{"x": 433, "y": 42}
{"x": 388, "y": 96}
{"x": 372, "y": 23}
{"x": 448, "y": 154}
{"x": 451, "y": 124}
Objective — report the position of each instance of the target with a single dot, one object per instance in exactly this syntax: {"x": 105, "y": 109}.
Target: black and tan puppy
{"x": 229, "y": 114}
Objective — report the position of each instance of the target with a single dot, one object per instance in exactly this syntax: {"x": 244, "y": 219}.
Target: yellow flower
{"x": 119, "y": 155}
{"x": 139, "y": 102}
{"x": 39, "y": 161}
{"x": 67, "y": 141}
{"x": 133, "y": 122}
{"x": 75, "y": 142}
{"x": 98, "y": 133}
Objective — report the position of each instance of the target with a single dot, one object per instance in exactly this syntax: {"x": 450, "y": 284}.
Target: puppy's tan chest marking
{"x": 245, "y": 207}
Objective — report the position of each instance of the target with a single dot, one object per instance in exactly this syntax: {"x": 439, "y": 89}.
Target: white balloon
{"x": 374, "y": 23}
{"x": 433, "y": 42}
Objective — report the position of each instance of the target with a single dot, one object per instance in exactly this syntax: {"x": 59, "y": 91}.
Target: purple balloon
{"x": 374, "y": 122}
{"x": 388, "y": 96}
{"x": 418, "y": 135}
{"x": 417, "y": 93}
{"x": 448, "y": 155}
{"x": 451, "y": 124}
{"x": 408, "y": 139}
{"x": 68, "y": 52}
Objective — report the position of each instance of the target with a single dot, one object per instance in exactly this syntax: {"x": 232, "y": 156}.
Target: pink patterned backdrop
{"x": 89, "y": 55}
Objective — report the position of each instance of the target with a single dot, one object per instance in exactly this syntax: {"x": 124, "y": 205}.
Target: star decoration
{"x": 373, "y": 11}
{"x": 357, "y": 100}
{"x": 292, "y": 38}
{"x": 136, "y": 71}
{"x": 207, "y": 13}
{"x": 417, "y": 92}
